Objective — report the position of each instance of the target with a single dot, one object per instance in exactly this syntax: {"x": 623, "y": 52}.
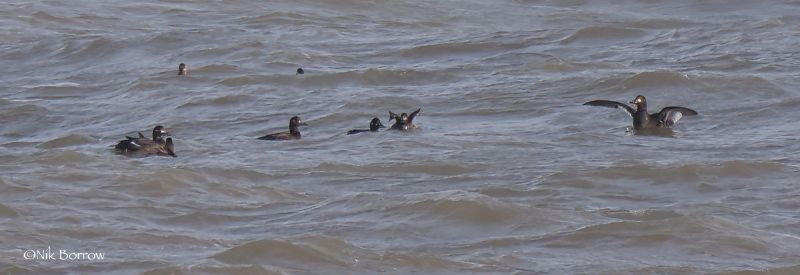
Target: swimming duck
{"x": 146, "y": 147}
{"x": 135, "y": 144}
{"x": 403, "y": 122}
{"x": 664, "y": 119}
{"x": 374, "y": 125}
{"x": 293, "y": 133}
{"x": 300, "y": 71}
{"x": 182, "y": 70}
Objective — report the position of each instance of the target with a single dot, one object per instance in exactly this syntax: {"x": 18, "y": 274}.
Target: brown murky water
{"x": 510, "y": 174}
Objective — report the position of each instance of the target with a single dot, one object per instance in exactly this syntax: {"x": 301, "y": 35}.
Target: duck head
{"x": 182, "y": 70}
{"x": 402, "y": 118}
{"x": 300, "y": 71}
{"x": 375, "y": 124}
{"x": 639, "y": 100}
{"x": 159, "y": 132}
{"x": 169, "y": 147}
{"x": 294, "y": 124}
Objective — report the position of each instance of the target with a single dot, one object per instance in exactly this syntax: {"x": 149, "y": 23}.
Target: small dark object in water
{"x": 182, "y": 70}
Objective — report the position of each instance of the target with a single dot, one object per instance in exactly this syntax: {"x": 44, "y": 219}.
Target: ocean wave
{"x": 158, "y": 183}
{"x": 60, "y": 157}
{"x": 691, "y": 234}
{"x": 66, "y": 141}
{"x": 462, "y": 206}
{"x": 279, "y": 251}
{"x": 12, "y": 189}
{"x": 219, "y": 101}
{"x": 415, "y": 168}
{"x": 604, "y": 35}
{"x": 7, "y": 212}
{"x": 216, "y": 269}
{"x": 693, "y": 172}
{"x": 662, "y": 78}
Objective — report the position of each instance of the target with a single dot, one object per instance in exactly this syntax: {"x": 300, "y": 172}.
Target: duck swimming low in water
{"x": 293, "y": 133}
{"x": 642, "y": 121}
{"x": 374, "y": 125}
{"x": 403, "y": 122}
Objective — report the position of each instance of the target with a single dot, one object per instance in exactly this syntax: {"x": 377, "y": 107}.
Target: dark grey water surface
{"x": 510, "y": 174}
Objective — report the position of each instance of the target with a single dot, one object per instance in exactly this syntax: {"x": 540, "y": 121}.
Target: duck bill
{"x": 302, "y": 123}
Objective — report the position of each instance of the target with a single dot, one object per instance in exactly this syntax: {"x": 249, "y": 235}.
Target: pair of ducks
{"x": 161, "y": 143}
{"x": 403, "y": 122}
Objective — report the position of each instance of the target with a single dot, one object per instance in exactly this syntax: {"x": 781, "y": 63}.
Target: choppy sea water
{"x": 509, "y": 174}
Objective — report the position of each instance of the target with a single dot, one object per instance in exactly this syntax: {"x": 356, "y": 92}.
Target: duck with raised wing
{"x": 643, "y": 121}
{"x": 404, "y": 122}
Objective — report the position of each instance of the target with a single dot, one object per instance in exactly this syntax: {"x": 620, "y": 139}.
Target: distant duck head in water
{"x": 293, "y": 133}
{"x": 182, "y": 69}
{"x": 374, "y": 125}
{"x": 643, "y": 122}
{"x": 300, "y": 71}
{"x": 403, "y": 122}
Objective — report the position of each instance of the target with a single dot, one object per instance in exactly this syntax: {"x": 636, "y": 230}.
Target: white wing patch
{"x": 624, "y": 110}
{"x": 675, "y": 116}
{"x": 670, "y": 118}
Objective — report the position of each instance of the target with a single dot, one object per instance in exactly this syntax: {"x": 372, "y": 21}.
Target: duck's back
{"x": 356, "y": 131}
{"x": 280, "y": 136}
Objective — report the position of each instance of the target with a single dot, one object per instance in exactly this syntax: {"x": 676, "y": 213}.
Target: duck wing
{"x": 128, "y": 145}
{"x": 612, "y": 104}
{"x": 670, "y": 115}
{"x": 413, "y": 115}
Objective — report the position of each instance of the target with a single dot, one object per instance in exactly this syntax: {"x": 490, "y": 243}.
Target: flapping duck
{"x": 403, "y": 122}
{"x": 643, "y": 121}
